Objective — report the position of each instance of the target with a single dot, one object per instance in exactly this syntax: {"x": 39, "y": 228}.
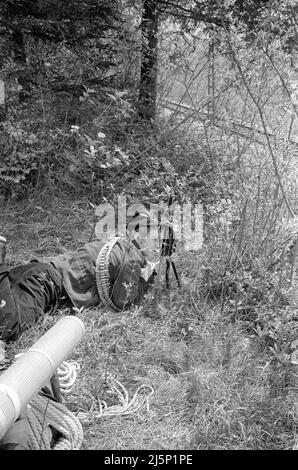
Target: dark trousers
{"x": 26, "y": 292}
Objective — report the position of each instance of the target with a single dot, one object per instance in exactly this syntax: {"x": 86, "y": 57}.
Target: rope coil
{"x": 51, "y": 426}
{"x": 67, "y": 375}
{"x": 125, "y": 407}
{"x": 45, "y": 414}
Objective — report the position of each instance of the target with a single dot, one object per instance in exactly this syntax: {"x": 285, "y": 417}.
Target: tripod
{"x": 168, "y": 247}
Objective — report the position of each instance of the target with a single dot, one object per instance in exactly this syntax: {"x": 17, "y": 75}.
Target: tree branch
{"x": 256, "y": 103}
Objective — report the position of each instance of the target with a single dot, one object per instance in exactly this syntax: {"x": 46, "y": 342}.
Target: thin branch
{"x": 255, "y": 101}
{"x": 282, "y": 81}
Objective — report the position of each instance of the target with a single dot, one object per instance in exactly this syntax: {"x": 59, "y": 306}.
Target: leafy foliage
{"x": 227, "y": 72}
{"x": 55, "y": 20}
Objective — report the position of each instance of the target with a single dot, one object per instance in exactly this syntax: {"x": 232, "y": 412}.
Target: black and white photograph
{"x": 149, "y": 228}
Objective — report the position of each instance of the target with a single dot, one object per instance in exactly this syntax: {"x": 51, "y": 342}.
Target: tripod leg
{"x": 168, "y": 265}
{"x": 176, "y": 274}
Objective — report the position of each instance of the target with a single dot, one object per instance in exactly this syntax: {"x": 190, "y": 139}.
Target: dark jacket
{"x": 29, "y": 290}
{"x": 77, "y": 270}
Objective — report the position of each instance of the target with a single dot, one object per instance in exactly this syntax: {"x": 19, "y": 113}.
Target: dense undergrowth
{"x": 216, "y": 352}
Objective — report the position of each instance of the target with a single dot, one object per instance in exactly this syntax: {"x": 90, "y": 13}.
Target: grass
{"x": 215, "y": 386}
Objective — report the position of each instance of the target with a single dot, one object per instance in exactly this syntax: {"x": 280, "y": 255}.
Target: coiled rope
{"x": 44, "y": 415}
{"x": 125, "y": 406}
{"x": 67, "y": 375}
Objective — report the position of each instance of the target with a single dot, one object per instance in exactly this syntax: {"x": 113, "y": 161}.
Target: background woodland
{"x": 194, "y": 99}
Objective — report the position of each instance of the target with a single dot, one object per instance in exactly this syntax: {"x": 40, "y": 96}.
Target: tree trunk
{"x": 20, "y": 59}
{"x": 148, "y": 77}
{"x": 11, "y": 13}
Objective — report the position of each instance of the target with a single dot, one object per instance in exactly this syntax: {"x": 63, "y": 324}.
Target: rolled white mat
{"x": 33, "y": 369}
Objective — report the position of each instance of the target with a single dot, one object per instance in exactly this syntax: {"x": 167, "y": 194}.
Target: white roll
{"x": 33, "y": 369}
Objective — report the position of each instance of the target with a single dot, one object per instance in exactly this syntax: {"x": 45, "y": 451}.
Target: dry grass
{"x": 214, "y": 386}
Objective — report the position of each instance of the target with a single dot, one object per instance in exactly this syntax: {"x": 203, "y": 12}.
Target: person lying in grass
{"x": 115, "y": 274}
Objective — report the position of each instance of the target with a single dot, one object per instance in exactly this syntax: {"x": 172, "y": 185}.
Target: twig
{"x": 291, "y": 212}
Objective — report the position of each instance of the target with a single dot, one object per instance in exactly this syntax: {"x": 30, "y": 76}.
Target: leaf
{"x": 89, "y": 140}
{"x": 116, "y": 161}
{"x": 114, "y": 98}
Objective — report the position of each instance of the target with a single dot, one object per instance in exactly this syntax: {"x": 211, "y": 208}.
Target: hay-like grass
{"x": 214, "y": 387}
